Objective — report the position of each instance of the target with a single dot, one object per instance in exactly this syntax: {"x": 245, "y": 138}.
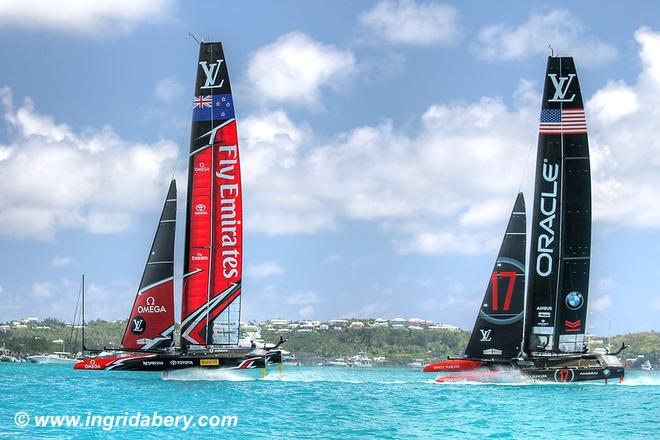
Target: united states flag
{"x": 564, "y": 121}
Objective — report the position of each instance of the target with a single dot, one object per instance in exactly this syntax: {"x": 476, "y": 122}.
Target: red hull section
{"x": 452, "y": 365}
{"x": 104, "y": 362}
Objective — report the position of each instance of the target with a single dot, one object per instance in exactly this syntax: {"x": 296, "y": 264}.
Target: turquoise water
{"x": 317, "y": 402}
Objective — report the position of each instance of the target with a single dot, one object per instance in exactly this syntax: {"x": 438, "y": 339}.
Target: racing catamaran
{"x": 544, "y": 340}
{"x": 212, "y": 267}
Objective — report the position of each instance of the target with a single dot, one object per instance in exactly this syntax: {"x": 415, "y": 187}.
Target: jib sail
{"x": 498, "y": 330}
{"x": 151, "y": 325}
{"x": 561, "y": 222}
{"x": 213, "y": 244}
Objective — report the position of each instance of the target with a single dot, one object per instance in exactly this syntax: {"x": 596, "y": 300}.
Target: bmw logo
{"x": 574, "y": 300}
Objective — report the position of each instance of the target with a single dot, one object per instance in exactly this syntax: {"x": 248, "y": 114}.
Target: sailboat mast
{"x": 560, "y": 251}
{"x": 82, "y": 315}
{"x": 214, "y": 214}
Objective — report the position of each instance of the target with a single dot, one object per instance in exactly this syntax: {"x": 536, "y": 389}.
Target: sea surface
{"x": 322, "y": 402}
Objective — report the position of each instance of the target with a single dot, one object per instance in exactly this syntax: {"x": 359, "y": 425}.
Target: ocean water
{"x": 322, "y": 402}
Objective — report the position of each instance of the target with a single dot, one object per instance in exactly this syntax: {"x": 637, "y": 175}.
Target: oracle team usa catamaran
{"x": 212, "y": 267}
{"x": 544, "y": 340}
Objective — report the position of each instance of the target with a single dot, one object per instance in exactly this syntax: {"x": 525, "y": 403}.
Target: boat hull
{"x": 169, "y": 362}
{"x": 38, "y": 359}
{"x": 581, "y": 368}
{"x": 556, "y": 375}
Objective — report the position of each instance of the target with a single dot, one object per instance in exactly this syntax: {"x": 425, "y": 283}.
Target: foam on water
{"x": 193, "y": 374}
{"x": 642, "y": 379}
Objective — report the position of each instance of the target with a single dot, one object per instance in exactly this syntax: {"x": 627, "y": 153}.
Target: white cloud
{"x": 623, "y": 121}
{"x": 63, "y": 179}
{"x": 168, "y": 89}
{"x": 302, "y": 298}
{"x": 446, "y": 183}
{"x": 306, "y": 312}
{"x": 406, "y": 22}
{"x": 559, "y": 28}
{"x": 295, "y": 68}
{"x": 613, "y": 102}
{"x": 413, "y": 185}
{"x": 333, "y": 258}
{"x": 265, "y": 269}
{"x": 93, "y": 17}
{"x": 60, "y": 261}
{"x": 42, "y": 289}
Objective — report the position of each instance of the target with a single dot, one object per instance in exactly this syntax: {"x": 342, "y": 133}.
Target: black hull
{"x": 579, "y": 368}
{"x": 572, "y": 374}
{"x": 173, "y": 361}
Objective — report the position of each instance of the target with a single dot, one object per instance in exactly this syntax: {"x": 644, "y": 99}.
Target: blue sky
{"x": 383, "y": 143}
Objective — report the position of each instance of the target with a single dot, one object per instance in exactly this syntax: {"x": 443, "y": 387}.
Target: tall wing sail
{"x": 214, "y": 231}
{"x": 561, "y": 224}
{"x": 151, "y": 325}
{"x": 498, "y": 330}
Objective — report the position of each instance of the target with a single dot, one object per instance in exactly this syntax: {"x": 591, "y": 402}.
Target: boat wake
{"x": 642, "y": 379}
{"x": 199, "y": 374}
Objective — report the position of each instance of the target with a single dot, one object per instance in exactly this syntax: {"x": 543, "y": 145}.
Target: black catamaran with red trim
{"x": 211, "y": 300}
{"x": 551, "y": 346}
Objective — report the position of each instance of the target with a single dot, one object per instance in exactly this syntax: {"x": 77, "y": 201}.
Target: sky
{"x": 382, "y": 142}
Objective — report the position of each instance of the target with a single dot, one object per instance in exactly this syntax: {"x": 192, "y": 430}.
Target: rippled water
{"x": 310, "y": 402}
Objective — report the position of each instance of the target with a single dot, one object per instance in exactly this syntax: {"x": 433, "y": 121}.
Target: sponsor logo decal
{"x": 574, "y": 300}
{"x": 199, "y": 257}
{"x": 208, "y": 362}
{"x": 211, "y": 71}
{"x": 543, "y": 314}
{"x": 564, "y": 375}
{"x": 138, "y": 325}
{"x": 149, "y": 363}
{"x": 485, "y": 335}
{"x": 493, "y": 351}
{"x": 573, "y": 326}
{"x": 201, "y": 167}
{"x": 227, "y": 169}
{"x": 562, "y": 85}
{"x": 92, "y": 365}
{"x": 175, "y": 362}
{"x": 200, "y": 209}
{"x": 548, "y": 208}
{"x": 151, "y": 307}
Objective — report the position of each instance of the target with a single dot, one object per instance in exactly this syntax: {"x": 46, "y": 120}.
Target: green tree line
{"x": 398, "y": 346}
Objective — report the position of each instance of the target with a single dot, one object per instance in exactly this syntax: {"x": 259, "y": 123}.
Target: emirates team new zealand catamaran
{"x": 211, "y": 302}
{"x": 546, "y": 339}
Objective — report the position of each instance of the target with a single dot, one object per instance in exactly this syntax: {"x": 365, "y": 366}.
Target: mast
{"x": 561, "y": 221}
{"x": 151, "y": 324}
{"x": 498, "y": 329}
{"x": 210, "y": 312}
{"x": 82, "y": 314}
